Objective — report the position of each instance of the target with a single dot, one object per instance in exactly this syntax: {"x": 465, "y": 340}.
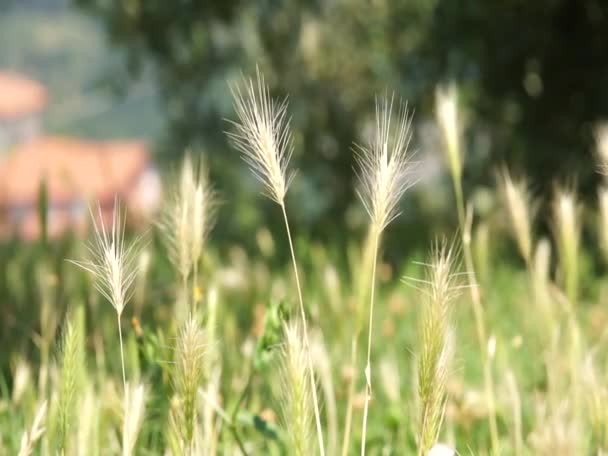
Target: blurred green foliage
{"x": 533, "y": 75}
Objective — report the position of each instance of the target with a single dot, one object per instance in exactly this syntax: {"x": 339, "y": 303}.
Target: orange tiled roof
{"x": 20, "y": 96}
{"x": 72, "y": 169}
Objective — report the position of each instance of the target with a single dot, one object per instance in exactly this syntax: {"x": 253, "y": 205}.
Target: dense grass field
{"x": 159, "y": 344}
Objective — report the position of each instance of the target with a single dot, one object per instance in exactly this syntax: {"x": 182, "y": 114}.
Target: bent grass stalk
{"x": 264, "y": 139}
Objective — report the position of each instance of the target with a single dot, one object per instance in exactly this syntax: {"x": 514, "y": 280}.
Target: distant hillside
{"x": 52, "y": 42}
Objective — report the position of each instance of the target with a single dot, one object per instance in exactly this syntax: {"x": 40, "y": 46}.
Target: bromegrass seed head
{"x": 189, "y": 371}
{"x": 384, "y": 167}
{"x": 436, "y": 344}
{"x": 519, "y": 205}
{"x": 296, "y": 396}
{"x": 262, "y": 135}
{"x": 113, "y": 261}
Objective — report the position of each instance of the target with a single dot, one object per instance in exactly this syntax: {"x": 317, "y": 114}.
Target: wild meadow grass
{"x": 163, "y": 345}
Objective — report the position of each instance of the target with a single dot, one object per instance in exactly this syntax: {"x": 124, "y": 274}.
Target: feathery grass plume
{"x": 187, "y": 219}
{"x": 296, "y": 397}
{"x": 113, "y": 265}
{"x": 133, "y": 416}
{"x": 519, "y": 205}
{"x": 440, "y": 289}
{"x": 188, "y": 376}
{"x": 384, "y": 174}
{"x": 446, "y": 110}
{"x": 263, "y": 137}
{"x": 176, "y": 221}
{"x": 566, "y": 227}
{"x": 29, "y": 439}
{"x": 72, "y": 371}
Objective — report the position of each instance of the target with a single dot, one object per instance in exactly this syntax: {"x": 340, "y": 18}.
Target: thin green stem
{"x": 305, "y": 330}
{"x": 122, "y": 354}
{"x": 368, "y": 368}
{"x": 351, "y": 395}
{"x": 478, "y": 312}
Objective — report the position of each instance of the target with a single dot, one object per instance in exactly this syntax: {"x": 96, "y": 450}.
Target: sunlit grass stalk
{"x": 448, "y": 120}
{"x": 264, "y": 139}
{"x": 113, "y": 266}
{"x": 362, "y": 283}
{"x": 385, "y": 174}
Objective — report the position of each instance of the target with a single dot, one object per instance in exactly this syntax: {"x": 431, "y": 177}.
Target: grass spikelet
{"x": 262, "y": 135}
{"x": 72, "y": 366}
{"x": 567, "y": 232}
{"x": 29, "y": 439}
{"x": 189, "y": 369}
{"x": 113, "y": 265}
{"x": 296, "y": 396}
{"x": 384, "y": 174}
{"x": 436, "y": 344}
{"x": 519, "y": 205}
{"x": 133, "y": 416}
{"x": 187, "y": 219}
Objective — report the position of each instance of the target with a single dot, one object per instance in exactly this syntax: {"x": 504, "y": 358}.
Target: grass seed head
{"x": 262, "y": 135}
{"x": 519, "y": 205}
{"x": 113, "y": 261}
{"x": 296, "y": 396}
{"x": 384, "y": 167}
{"x": 189, "y": 370}
{"x": 436, "y": 342}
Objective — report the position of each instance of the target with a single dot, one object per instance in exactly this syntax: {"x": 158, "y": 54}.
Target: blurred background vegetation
{"x": 532, "y": 78}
